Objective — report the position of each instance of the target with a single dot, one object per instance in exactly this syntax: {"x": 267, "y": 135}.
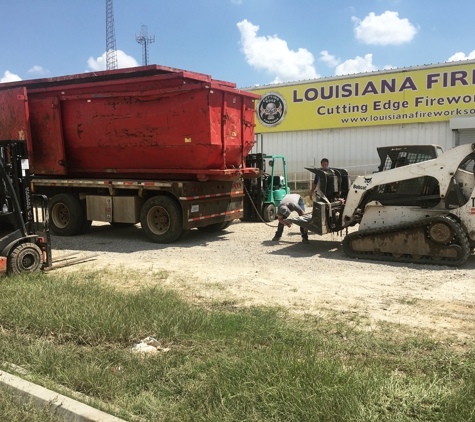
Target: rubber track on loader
{"x": 458, "y": 243}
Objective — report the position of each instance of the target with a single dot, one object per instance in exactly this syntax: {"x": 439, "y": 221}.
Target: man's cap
{"x": 283, "y": 210}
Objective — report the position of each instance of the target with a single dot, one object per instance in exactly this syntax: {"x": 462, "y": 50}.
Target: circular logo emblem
{"x": 271, "y": 109}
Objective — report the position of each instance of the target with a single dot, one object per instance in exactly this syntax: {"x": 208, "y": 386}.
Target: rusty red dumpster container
{"x": 152, "y": 121}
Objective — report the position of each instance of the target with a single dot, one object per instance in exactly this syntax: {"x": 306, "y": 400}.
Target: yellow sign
{"x": 427, "y": 94}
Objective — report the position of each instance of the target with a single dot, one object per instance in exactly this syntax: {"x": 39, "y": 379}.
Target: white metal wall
{"x": 466, "y": 136}
{"x": 351, "y": 148}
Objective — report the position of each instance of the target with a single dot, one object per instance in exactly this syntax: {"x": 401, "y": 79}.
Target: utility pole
{"x": 111, "y": 49}
{"x": 144, "y": 39}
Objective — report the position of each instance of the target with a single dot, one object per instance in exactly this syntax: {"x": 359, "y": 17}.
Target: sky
{"x": 248, "y": 42}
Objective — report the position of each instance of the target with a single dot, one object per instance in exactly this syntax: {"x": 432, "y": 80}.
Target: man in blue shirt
{"x": 316, "y": 185}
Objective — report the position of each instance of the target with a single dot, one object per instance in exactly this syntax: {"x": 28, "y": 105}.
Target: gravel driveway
{"x": 242, "y": 266}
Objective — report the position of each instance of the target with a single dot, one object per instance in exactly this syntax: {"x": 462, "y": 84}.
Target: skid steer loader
{"x": 420, "y": 212}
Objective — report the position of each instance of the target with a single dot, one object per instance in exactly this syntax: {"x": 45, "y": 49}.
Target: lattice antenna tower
{"x": 144, "y": 39}
{"x": 111, "y": 49}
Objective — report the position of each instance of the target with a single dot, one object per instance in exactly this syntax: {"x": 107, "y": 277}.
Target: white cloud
{"x": 461, "y": 56}
{"x": 357, "y": 65}
{"x": 272, "y": 55}
{"x": 329, "y": 59}
{"x": 385, "y": 29}
{"x": 123, "y": 61}
{"x": 38, "y": 70}
{"x": 9, "y": 77}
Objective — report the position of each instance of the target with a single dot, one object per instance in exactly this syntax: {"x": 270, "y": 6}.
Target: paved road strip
{"x": 70, "y": 409}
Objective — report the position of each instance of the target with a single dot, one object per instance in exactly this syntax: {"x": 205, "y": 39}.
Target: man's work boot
{"x": 275, "y": 238}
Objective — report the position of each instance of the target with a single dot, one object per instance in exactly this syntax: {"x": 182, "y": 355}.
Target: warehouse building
{"x": 345, "y": 118}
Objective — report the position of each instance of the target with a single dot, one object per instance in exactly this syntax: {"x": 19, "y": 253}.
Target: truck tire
{"x": 161, "y": 219}
{"x": 66, "y": 215}
{"x": 217, "y": 227}
{"x": 25, "y": 258}
{"x": 268, "y": 213}
{"x": 184, "y": 234}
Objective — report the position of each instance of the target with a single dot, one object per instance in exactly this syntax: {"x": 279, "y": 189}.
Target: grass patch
{"x": 225, "y": 364}
{"x": 12, "y": 412}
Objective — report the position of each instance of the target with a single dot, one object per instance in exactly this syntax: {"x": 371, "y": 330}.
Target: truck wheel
{"x": 268, "y": 214}
{"x": 66, "y": 215}
{"x": 161, "y": 219}
{"x": 25, "y": 258}
{"x": 216, "y": 227}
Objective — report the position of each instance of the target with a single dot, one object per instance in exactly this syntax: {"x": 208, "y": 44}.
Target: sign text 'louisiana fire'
{"x": 413, "y": 95}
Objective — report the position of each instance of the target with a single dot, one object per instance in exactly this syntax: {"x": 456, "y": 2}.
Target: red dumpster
{"x": 151, "y": 122}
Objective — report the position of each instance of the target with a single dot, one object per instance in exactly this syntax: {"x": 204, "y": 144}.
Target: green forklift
{"x": 263, "y": 195}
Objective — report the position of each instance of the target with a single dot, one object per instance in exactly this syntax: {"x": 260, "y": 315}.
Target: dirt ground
{"x": 242, "y": 266}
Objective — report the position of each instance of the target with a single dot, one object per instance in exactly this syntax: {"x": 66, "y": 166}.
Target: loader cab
{"x": 421, "y": 191}
{"x": 402, "y": 155}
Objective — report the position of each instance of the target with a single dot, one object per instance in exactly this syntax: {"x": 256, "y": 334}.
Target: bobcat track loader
{"x": 415, "y": 213}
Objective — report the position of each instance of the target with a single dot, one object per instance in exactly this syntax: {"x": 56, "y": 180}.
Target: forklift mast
{"x": 254, "y": 192}
{"x": 15, "y": 194}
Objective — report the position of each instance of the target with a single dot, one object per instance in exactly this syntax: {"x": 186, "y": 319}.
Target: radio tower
{"x": 111, "y": 49}
{"x": 144, "y": 39}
